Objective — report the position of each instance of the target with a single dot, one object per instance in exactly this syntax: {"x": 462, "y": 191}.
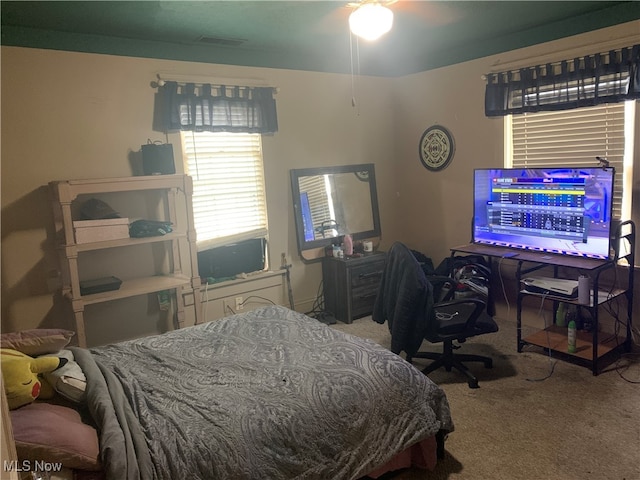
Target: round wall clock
{"x": 436, "y": 148}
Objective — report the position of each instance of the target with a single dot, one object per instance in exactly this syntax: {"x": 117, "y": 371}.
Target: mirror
{"x": 329, "y": 202}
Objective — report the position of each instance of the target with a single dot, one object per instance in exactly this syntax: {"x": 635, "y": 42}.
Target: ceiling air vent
{"x": 230, "y": 42}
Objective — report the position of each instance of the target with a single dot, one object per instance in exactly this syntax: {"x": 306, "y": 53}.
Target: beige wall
{"x": 439, "y": 205}
{"x": 75, "y": 115}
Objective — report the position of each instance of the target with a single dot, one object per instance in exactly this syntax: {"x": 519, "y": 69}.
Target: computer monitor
{"x": 565, "y": 211}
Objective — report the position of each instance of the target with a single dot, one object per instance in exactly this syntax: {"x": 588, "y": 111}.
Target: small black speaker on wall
{"x": 157, "y": 159}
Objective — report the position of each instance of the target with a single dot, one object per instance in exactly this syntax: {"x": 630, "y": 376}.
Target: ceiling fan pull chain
{"x": 354, "y": 102}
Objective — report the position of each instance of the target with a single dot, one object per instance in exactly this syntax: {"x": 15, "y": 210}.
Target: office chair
{"x": 414, "y": 305}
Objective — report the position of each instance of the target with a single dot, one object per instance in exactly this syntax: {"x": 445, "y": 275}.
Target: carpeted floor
{"x": 533, "y": 417}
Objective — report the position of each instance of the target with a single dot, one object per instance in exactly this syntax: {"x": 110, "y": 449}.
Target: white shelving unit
{"x": 176, "y": 210}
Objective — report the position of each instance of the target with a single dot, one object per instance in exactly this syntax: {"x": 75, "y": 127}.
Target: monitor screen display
{"x": 564, "y": 211}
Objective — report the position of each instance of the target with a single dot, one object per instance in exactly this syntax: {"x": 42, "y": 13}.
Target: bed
{"x": 269, "y": 393}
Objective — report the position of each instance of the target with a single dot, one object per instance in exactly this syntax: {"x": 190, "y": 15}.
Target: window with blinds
{"x": 571, "y": 138}
{"x": 229, "y": 201}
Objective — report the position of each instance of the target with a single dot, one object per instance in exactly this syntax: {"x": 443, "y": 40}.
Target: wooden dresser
{"x": 351, "y": 285}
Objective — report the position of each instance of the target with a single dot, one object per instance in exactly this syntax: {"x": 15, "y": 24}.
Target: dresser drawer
{"x": 363, "y": 299}
{"x": 367, "y": 274}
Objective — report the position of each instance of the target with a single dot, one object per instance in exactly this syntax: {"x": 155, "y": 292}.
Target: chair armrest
{"x": 441, "y": 278}
{"x": 479, "y": 303}
{"x": 479, "y": 306}
{"x": 440, "y": 281}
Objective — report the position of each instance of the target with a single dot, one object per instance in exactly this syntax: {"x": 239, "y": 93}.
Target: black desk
{"x": 590, "y": 351}
{"x": 491, "y": 251}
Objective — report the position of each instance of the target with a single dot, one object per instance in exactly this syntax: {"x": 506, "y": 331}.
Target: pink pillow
{"x": 38, "y": 341}
{"x": 53, "y": 433}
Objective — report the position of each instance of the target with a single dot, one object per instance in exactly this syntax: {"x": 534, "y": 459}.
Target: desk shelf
{"x": 555, "y": 338}
{"x": 604, "y": 296}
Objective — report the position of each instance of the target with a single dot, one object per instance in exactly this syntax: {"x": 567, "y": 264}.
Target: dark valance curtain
{"x": 582, "y": 82}
{"x": 218, "y": 108}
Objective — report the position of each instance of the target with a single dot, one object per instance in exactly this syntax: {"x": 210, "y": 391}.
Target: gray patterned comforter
{"x": 268, "y": 394}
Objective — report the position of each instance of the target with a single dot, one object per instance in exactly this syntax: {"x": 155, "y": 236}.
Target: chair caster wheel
{"x": 473, "y": 384}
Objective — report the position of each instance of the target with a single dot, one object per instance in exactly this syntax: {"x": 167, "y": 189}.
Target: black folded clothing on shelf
{"x": 149, "y": 228}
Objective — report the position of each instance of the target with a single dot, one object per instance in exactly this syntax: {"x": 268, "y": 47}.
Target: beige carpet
{"x": 533, "y": 417}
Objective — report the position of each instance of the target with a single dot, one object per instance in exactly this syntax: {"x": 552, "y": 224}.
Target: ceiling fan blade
{"x": 335, "y": 22}
{"x": 431, "y": 13}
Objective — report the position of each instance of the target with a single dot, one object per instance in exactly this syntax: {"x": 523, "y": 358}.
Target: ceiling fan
{"x": 370, "y": 19}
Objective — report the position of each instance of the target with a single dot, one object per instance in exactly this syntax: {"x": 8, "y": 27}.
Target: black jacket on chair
{"x": 404, "y": 300}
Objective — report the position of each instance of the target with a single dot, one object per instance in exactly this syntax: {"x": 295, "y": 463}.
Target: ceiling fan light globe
{"x": 371, "y": 21}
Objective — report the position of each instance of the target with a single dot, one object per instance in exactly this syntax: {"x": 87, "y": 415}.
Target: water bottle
{"x": 571, "y": 337}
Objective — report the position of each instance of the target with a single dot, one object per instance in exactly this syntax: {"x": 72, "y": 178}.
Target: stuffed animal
{"x": 20, "y": 374}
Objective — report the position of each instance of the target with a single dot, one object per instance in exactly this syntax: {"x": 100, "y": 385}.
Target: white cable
{"x": 445, "y": 316}
{"x": 504, "y": 291}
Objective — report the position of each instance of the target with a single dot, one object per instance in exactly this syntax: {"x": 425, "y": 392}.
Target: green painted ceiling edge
{"x": 100, "y": 44}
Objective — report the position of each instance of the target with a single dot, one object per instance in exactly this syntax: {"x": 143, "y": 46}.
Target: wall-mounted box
{"x": 87, "y": 231}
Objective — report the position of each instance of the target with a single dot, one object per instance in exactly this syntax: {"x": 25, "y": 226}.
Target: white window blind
{"x": 570, "y": 138}
{"x": 229, "y": 201}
